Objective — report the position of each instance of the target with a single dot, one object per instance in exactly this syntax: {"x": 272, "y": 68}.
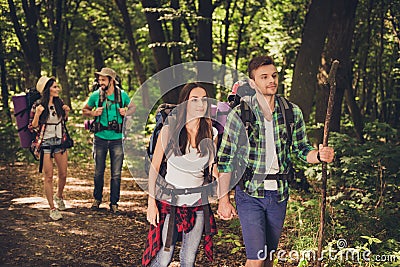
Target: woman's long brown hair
{"x": 45, "y": 99}
{"x": 204, "y": 130}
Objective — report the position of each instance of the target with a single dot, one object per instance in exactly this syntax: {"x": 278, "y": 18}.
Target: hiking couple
{"x": 109, "y": 104}
{"x": 185, "y": 156}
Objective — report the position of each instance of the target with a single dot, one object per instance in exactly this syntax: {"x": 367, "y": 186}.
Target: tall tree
{"x": 225, "y": 39}
{"x": 3, "y": 78}
{"x": 139, "y": 69}
{"x": 176, "y": 35}
{"x": 61, "y": 33}
{"x": 309, "y": 56}
{"x": 338, "y": 46}
{"x": 28, "y": 37}
{"x": 204, "y": 30}
{"x": 94, "y": 42}
{"x": 160, "y": 51}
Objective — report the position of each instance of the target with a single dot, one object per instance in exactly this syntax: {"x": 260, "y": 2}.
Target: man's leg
{"x": 100, "y": 148}
{"x": 276, "y": 212}
{"x": 116, "y": 158}
{"x": 253, "y": 222}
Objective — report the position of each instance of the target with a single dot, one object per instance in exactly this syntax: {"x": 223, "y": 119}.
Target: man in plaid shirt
{"x": 261, "y": 196}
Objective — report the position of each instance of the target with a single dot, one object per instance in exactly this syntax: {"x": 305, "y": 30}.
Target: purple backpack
{"x": 22, "y": 109}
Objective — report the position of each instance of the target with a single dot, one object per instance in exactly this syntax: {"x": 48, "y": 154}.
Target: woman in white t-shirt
{"x": 47, "y": 119}
{"x": 188, "y": 144}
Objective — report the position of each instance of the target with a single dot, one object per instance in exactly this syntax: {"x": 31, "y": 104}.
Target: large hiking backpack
{"x": 241, "y": 94}
{"x": 22, "y": 108}
{"x": 242, "y": 89}
{"x": 162, "y": 113}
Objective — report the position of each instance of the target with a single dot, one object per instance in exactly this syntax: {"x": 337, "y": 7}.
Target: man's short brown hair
{"x": 257, "y": 62}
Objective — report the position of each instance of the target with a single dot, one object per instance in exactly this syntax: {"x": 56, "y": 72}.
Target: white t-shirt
{"x": 187, "y": 171}
{"x": 272, "y": 165}
{"x": 53, "y": 127}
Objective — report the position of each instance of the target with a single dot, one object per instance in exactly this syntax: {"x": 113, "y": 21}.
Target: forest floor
{"x": 28, "y": 237}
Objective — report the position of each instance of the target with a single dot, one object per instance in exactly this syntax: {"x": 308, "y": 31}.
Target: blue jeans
{"x": 261, "y": 220}
{"x": 190, "y": 244}
{"x": 100, "y": 149}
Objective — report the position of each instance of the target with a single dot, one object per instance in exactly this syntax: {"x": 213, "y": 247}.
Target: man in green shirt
{"x": 109, "y": 104}
{"x": 261, "y": 196}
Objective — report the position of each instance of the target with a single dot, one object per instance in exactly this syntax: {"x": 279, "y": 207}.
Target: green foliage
{"x": 301, "y": 223}
{"x": 363, "y": 187}
{"x": 10, "y": 150}
{"x": 363, "y": 197}
{"x": 231, "y": 238}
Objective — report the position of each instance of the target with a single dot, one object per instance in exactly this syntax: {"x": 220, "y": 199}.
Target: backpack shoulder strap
{"x": 101, "y": 98}
{"x": 288, "y": 116}
{"x": 118, "y": 96}
{"x": 247, "y": 116}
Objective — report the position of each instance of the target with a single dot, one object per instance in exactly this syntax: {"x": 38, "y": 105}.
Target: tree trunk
{"x": 98, "y": 58}
{"x": 161, "y": 56}
{"x": 363, "y": 49}
{"x": 338, "y": 47}
{"x": 176, "y": 35}
{"x": 29, "y": 41}
{"x": 355, "y": 113}
{"x": 57, "y": 42}
{"x": 225, "y": 40}
{"x": 139, "y": 69}
{"x": 240, "y": 34}
{"x": 309, "y": 56}
{"x": 384, "y": 94}
{"x": 157, "y": 36}
{"x": 204, "y": 31}
{"x": 204, "y": 42}
{"x": 61, "y": 36}
{"x": 66, "y": 89}
{"x": 3, "y": 79}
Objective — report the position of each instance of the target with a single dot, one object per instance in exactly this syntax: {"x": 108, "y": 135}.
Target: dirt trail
{"x": 28, "y": 237}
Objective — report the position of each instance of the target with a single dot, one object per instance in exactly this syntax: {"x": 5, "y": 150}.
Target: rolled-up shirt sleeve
{"x": 31, "y": 116}
{"x": 301, "y": 146}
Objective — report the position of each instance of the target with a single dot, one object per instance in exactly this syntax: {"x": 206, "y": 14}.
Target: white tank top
{"x": 187, "y": 171}
{"x": 54, "y": 126}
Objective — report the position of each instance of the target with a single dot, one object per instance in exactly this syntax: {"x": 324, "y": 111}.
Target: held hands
{"x": 226, "y": 211}
{"x": 153, "y": 216}
{"x": 326, "y": 154}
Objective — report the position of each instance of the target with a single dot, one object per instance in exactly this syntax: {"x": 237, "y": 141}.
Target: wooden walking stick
{"x": 331, "y": 100}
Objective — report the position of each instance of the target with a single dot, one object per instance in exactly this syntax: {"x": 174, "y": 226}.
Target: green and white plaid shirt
{"x": 253, "y": 151}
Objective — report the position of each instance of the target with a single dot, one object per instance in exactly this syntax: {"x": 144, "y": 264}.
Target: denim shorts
{"x": 262, "y": 222}
{"x": 51, "y": 142}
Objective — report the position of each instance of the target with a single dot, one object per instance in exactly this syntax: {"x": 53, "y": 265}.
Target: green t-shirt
{"x": 110, "y": 113}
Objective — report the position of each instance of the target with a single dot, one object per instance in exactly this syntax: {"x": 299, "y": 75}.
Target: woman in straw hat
{"x": 47, "y": 120}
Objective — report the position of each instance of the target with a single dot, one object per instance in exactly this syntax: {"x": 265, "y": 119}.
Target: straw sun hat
{"x": 107, "y": 72}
